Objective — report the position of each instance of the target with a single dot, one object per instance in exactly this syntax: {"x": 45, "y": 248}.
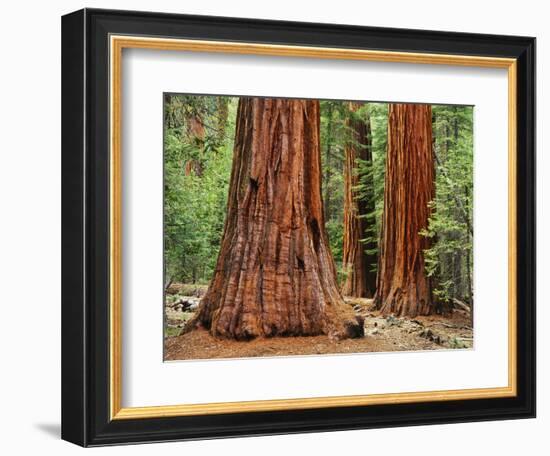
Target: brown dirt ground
{"x": 382, "y": 334}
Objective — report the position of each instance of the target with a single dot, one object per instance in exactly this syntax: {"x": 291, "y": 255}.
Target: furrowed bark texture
{"x": 275, "y": 275}
{"x": 402, "y": 285}
{"x": 360, "y": 280}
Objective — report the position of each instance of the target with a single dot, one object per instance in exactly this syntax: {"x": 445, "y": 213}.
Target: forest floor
{"x": 382, "y": 334}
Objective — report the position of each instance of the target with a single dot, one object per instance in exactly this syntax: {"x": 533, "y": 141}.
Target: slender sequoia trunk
{"x": 275, "y": 275}
{"x": 402, "y": 285}
{"x": 360, "y": 279}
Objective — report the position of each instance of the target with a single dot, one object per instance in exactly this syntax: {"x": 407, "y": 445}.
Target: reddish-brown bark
{"x": 403, "y": 287}
{"x": 275, "y": 275}
{"x": 360, "y": 280}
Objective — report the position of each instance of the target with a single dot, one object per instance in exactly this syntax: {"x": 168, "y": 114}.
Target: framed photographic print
{"x": 276, "y": 227}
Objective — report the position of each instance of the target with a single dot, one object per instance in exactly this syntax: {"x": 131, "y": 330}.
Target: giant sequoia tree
{"x": 275, "y": 274}
{"x": 403, "y": 287}
{"x": 360, "y": 279}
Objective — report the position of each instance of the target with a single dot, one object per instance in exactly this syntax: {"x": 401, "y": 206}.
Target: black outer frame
{"x": 85, "y": 227}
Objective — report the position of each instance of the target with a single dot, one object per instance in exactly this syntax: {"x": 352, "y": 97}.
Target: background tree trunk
{"x": 469, "y": 290}
{"x": 402, "y": 285}
{"x": 328, "y": 152}
{"x": 196, "y": 134}
{"x": 360, "y": 279}
{"x": 457, "y": 259}
{"x": 222, "y": 116}
{"x": 275, "y": 275}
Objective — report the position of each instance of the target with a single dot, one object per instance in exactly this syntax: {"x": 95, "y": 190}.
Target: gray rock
{"x": 187, "y": 303}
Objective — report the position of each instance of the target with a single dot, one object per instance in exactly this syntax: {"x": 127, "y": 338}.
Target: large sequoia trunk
{"x": 275, "y": 275}
{"x": 402, "y": 285}
{"x": 360, "y": 279}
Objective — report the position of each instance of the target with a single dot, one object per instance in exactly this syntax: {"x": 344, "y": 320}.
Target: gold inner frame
{"x": 117, "y": 44}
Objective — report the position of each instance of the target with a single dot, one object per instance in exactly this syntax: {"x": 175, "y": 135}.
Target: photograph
{"x": 333, "y": 218}
{"x": 316, "y": 227}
